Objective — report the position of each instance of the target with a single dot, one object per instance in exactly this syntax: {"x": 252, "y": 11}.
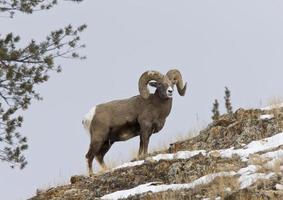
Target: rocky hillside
{"x": 239, "y": 156}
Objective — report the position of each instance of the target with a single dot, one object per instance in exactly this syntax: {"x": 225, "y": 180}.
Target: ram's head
{"x": 164, "y": 84}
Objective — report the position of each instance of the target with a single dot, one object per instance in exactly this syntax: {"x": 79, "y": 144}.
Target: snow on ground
{"x": 248, "y": 180}
{"x": 178, "y": 155}
{"x": 279, "y": 187}
{"x": 246, "y": 176}
{"x": 152, "y": 187}
{"x": 251, "y": 148}
{"x": 168, "y": 156}
{"x": 266, "y": 116}
{"x": 254, "y": 147}
{"x": 130, "y": 164}
{"x": 247, "y": 170}
{"x": 274, "y": 154}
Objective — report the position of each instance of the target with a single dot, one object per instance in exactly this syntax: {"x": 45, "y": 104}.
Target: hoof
{"x": 90, "y": 173}
{"x": 104, "y": 167}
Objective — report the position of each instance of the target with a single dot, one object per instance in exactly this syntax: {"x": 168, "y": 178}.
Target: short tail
{"x": 86, "y": 125}
{"x": 88, "y": 119}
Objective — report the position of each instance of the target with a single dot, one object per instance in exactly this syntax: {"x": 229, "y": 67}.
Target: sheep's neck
{"x": 165, "y": 103}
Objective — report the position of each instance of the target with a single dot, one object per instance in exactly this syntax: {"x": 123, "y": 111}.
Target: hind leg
{"x": 95, "y": 146}
{"x": 93, "y": 150}
{"x": 89, "y": 158}
{"x": 100, "y": 155}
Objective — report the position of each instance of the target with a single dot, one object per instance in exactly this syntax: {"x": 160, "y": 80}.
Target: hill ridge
{"x": 240, "y": 154}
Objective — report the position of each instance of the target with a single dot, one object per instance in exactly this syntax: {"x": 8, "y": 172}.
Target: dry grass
{"x": 276, "y": 110}
{"x": 50, "y": 185}
{"x": 257, "y": 159}
{"x": 277, "y": 166}
{"x": 160, "y": 148}
{"x": 221, "y": 186}
{"x": 163, "y": 145}
{"x": 168, "y": 195}
{"x": 190, "y": 134}
{"x": 134, "y": 154}
{"x": 264, "y": 166}
{"x": 275, "y": 102}
{"x": 111, "y": 162}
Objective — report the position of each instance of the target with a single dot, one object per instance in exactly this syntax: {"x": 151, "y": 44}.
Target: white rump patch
{"x": 88, "y": 118}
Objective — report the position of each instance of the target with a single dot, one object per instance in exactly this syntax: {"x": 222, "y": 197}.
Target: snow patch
{"x": 248, "y": 176}
{"x": 274, "y": 154}
{"x": 254, "y": 147}
{"x": 279, "y": 187}
{"x": 151, "y": 187}
{"x": 247, "y": 170}
{"x": 266, "y": 117}
{"x": 168, "y": 156}
{"x": 248, "y": 180}
{"x": 178, "y": 155}
{"x": 130, "y": 164}
{"x": 251, "y": 148}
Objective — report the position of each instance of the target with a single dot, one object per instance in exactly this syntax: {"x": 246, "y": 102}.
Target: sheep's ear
{"x": 153, "y": 84}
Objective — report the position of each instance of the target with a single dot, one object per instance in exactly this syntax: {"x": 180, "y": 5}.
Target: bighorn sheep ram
{"x": 141, "y": 115}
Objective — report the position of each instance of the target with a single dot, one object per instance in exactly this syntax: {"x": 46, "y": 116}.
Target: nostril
{"x": 170, "y": 91}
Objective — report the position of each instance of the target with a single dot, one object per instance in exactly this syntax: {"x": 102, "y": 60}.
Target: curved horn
{"x": 175, "y": 76}
{"x": 144, "y": 80}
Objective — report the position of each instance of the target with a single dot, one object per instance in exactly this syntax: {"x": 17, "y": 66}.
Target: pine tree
{"x": 27, "y": 6}
{"x": 227, "y": 99}
{"x": 215, "y": 110}
{"x": 21, "y": 69}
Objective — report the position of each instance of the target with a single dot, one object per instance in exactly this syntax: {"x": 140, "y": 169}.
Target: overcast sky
{"x": 214, "y": 44}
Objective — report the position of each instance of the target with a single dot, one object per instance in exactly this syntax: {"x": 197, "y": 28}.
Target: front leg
{"x": 141, "y": 148}
{"x": 144, "y": 140}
